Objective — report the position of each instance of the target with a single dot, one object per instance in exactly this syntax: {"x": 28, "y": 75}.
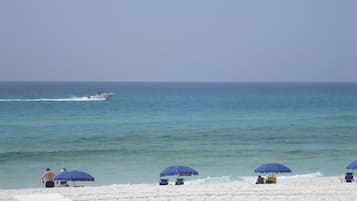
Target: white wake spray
{"x": 72, "y": 99}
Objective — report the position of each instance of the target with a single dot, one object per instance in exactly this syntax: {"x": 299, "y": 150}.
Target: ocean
{"x": 223, "y": 130}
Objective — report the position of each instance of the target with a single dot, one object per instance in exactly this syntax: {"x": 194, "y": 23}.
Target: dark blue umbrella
{"x": 74, "y": 176}
{"x": 272, "y": 168}
{"x": 178, "y": 171}
{"x": 352, "y": 166}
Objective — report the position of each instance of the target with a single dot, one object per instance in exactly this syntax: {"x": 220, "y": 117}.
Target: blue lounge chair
{"x": 164, "y": 182}
{"x": 349, "y": 177}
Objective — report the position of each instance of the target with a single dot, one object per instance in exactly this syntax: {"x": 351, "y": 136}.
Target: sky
{"x": 181, "y": 40}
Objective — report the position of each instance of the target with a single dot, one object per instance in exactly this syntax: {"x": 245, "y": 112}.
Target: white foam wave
{"x": 249, "y": 179}
{"x": 252, "y": 179}
{"x": 210, "y": 180}
{"x": 308, "y": 175}
{"x": 71, "y": 99}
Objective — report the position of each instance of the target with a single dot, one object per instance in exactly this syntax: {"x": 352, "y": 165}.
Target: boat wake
{"x": 72, "y": 99}
{"x": 100, "y": 96}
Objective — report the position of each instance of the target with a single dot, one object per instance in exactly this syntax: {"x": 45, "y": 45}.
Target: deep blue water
{"x": 223, "y": 130}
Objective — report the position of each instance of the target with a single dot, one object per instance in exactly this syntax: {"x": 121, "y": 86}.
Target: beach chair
{"x": 349, "y": 177}
{"x": 179, "y": 181}
{"x": 164, "y": 182}
{"x": 270, "y": 180}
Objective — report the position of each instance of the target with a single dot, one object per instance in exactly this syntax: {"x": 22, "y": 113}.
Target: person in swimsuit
{"x": 260, "y": 180}
{"x": 48, "y": 177}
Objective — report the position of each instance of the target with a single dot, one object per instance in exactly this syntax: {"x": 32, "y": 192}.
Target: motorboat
{"x": 100, "y": 95}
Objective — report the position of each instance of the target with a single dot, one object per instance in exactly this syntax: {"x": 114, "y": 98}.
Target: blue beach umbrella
{"x": 272, "y": 168}
{"x": 352, "y": 166}
{"x": 178, "y": 171}
{"x": 74, "y": 176}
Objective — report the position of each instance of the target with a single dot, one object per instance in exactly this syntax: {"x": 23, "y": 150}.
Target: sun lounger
{"x": 270, "y": 180}
{"x": 179, "y": 181}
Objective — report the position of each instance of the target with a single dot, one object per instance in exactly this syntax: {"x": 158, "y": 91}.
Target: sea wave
{"x": 342, "y": 117}
{"x": 249, "y": 179}
{"x": 71, "y": 99}
{"x": 307, "y": 175}
{"x": 211, "y": 180}
{"x": 35, "y": 155}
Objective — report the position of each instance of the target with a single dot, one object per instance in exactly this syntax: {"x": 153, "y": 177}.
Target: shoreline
{"x": 188, "y": 180}
{"x": 314, "y": 188}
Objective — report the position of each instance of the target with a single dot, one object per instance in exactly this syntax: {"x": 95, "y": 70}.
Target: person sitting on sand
{"x": 48, "y": 177}
{"x": 260, "y": 180}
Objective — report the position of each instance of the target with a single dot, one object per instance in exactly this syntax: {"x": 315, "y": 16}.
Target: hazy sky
{"x": 181, "y": 40}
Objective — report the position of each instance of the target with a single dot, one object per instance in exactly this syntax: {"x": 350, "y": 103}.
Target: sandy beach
{"x": 322, "y": 188}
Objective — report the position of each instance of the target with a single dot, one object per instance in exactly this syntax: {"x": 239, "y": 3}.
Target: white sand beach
{"x": 321, "y": 188}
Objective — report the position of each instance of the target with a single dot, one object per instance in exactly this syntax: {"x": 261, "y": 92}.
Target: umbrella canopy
{"x": 178, "y": 171}
{"x": 352, "y": 166}
{"x": 272, "y": 168}
{"x": 74, "y": 176}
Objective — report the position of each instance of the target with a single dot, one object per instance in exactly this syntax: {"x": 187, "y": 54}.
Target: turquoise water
{"x": 223, "y": 130}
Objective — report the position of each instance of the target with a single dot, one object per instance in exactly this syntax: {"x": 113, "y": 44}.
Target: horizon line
{"x": 151, "y": 81}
